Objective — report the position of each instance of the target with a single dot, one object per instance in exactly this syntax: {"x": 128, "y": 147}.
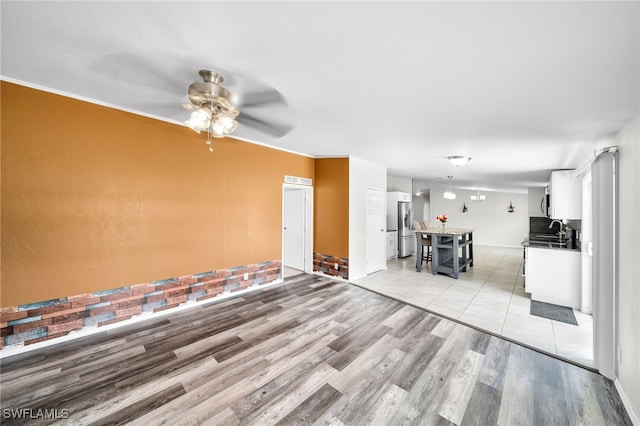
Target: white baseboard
{"x": 331, "y": 277}
{"x": 627, "y": 403}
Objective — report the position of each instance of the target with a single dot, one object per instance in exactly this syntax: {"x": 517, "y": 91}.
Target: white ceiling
{"x": 521, "y": 87}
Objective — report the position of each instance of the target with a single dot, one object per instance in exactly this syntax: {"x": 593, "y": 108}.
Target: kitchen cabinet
{"x": 392, "y": 245}
{"x": 393, "y": 197}
{"x": 566, "y": 195}
{"x": 392, "y": 206}
{"x": 553, "y": 275}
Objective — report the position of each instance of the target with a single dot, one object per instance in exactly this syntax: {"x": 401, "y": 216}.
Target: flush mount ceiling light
{"x": 458, "y": 160}
{"x": 211, "y": 106}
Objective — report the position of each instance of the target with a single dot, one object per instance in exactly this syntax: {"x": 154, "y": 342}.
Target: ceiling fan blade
{"x": 163, "y": 109}
{"x": 272, "y": 129}
{"x": 189, "y": 106}
{"x": 263, "y": 97}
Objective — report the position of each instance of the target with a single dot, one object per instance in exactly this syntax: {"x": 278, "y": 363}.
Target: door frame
{"x": 383, "y": 259}
{"x": 307, "y": 230}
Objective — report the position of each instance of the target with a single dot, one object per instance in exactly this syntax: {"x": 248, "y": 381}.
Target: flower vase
{"x": 443, "y": 225}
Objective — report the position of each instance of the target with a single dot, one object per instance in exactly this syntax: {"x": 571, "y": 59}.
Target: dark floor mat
{"x": 553, "y": 312}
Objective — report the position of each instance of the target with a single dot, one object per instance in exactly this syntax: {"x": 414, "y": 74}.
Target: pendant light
{"x": 449, "y": 194}
{"x": 478, "y": 196}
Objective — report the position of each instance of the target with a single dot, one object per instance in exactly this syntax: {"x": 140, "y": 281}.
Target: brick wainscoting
{"x": 326, "y": 264}
{"x": 35, "y": 322}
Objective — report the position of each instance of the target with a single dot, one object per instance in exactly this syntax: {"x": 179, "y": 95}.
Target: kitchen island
{"x": 451, "y": 250}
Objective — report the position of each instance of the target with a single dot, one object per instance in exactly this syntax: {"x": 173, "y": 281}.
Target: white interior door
{"x": 376, "y": 238}
{"x": 293, "y": 250}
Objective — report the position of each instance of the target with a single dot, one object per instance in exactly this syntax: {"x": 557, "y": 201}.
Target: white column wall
{"x": 628, "y": 285}
{"x": 399, "y": 183}
{"x": 604, "y": 192}
{"x": 362, "y": 175}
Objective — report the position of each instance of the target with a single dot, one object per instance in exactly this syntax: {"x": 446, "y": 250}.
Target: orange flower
{"x": 442, "y": 218}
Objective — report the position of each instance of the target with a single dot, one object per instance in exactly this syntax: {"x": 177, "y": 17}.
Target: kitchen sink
{"x": 546, "y": 237}
{"x": 549, "y": 243}
{"x": 547, "y": 240}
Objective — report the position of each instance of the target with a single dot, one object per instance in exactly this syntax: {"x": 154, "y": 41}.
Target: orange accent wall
{"x": 331, "y": 207}
{"x": 96, "y": 198}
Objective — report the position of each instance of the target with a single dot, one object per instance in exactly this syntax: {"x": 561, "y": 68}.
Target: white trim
{"x": 135, "y": 112}
{"x": 586, "y": 167}
{"x": 88, "y": 100}
{"x": 88, "y": 331}
{"x": 635, "y": 419}
{"x": 331, "y": 277}
{"x": 308, "y": 224}
{"x": 363, "y": 276}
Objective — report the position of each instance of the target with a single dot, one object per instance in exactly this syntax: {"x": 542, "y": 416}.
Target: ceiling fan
{"x": 216, "y": 111}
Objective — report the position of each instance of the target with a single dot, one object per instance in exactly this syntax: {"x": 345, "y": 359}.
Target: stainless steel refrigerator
{"x": 406, "y": 241}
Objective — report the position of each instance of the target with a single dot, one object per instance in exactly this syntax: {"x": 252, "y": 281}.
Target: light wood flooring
{"x": 310, "y": 351}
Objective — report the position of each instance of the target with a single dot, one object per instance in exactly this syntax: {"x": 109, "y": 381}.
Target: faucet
{"x": 561, "y": 231}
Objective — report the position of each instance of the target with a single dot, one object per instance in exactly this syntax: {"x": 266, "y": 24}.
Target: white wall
{"x": 628, "y": 284}
{"x": 535, "y": 195}
{"x": 417, "y": 202}
{"x": 362, "y": 175}
{"x": 427, "y": 205}
{"x": 492, "y": 223}
{"x": 399, "y": 183}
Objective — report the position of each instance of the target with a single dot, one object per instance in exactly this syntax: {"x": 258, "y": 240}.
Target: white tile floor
{"x": 489, "y": 296}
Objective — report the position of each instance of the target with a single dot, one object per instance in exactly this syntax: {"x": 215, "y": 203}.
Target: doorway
{"x": 297, "y": 218}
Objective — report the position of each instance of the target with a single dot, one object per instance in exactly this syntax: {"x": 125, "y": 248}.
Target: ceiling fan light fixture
{"x": 202, "y": 115}
{"x": 458, "y": 160}
{"x": 214, "y": 112}
{"x": 209, "y": 97}
{"x": 224, "y": 125}
{"x": 200, "y": 119}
